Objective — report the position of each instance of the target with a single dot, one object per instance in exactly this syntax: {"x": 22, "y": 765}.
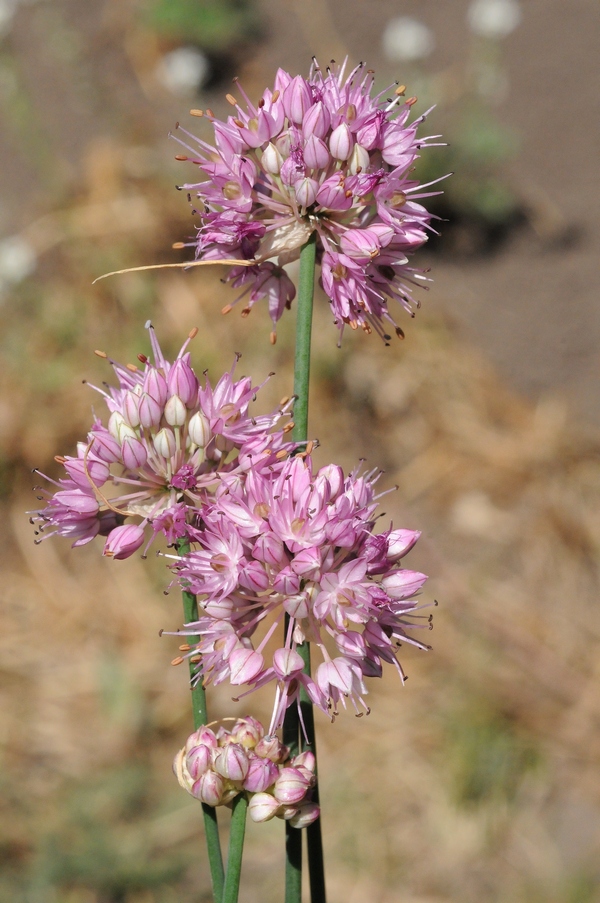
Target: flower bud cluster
{"x": 323, "y": 155}
{"x": 216, "y": 766}
{"x": 168, "y": 441}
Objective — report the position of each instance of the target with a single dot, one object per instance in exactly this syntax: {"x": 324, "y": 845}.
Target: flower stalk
{"x": 236, "y": 846}
{"x": 291, "y": 728}
{"x": 200, "y": 717}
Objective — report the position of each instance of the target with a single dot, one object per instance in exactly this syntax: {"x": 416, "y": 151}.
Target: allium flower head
{"x": 293, "y": 541}
{"x": 168, "y": 442}
{"x": 325, "y": 155}
{"x": 216, "y": 766}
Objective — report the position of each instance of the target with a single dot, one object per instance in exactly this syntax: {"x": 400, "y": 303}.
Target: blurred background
{"x": 479, "y": 780}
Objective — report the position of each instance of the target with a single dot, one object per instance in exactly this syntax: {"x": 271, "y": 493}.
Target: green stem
{"x": 306, "y": 288}
{"x": 236, "y": 847}
{"x": 200, "y": 716}
{"x": 291, "y": 727}
{"x": 314, "y": 840}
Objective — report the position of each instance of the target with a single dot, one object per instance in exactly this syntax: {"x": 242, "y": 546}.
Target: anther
{"x": 177, "y": 661}
{"x": 181, "y": 157}
{"x": 275, "y": 96}
{"x": 102, "y": 354}
{"x": 178, "y": 245}
{"x": 197, "y": 113}
{"x": 227, "y": 309}
{"x": 239, "y": 123}
{"x": 132, "y": 368}
{"x": 231, "y": 99}
{"x": 209, "y": 113}
{"x": 185, "y": 647}
{"x": 193, "y": 332}
{"x": 59, "y": 459}
{"x": 400, "y": 91}
{"x": 142, "y": 358}
{"x": 195, "y": 659}
{"x": 411, "y": 101}
{"x": 246, "y": 312}
{"x": 399, "y": 332}
{"x": 273, "y": 337}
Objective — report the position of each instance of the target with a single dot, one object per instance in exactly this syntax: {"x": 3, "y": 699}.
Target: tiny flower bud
{"x": 182, "y": 381}
{"x": 175, "y": 411}
{"x": 340, "y": 142}
{"x": 400, "y": 542}
{"x": 232, "y": 762}
{"x": 316, "y": 121}
{"x": 306, "y": 191}
{"x": 199, "y": 429}
{"x": 134, "y": 453}
{"x": 123, "y": 541}
{"x": 247, "y": 732}
{"x": 165, "y": 443}
{"x": 130, "y": 409}
{"x": 115, "y": 421}
{"x": 271, "y": 159}
{"x": 291, "y": 786}
{"x": 271, "y": 748}
{"x": 262, "y": 773}
{"x": 156, "y": 386}
{"x": 262, "y": 807}
{"x": 402, "y": 584}
{"x": 209, "y": 788}
{"x": 297, "y": 99}
{"x": 150, "y": 411}
{"x": 305, "y": 815}
{"x": 105, "y": 446}
{"x": 198, "y": 760}
{"x": 359, "y": 159}
{"x": 316, "y": 154}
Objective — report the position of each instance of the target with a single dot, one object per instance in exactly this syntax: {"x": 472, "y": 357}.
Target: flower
{"x": 325, "y": 155}
{"x": 216, "y": 766}
{"x": 291, "y": 541}
{"x": 168, "y": 443}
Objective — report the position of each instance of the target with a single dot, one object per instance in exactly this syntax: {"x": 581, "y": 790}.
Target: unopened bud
{"x": 123, "y": 541}
{"x": 175, "y": 411}
{"x": 340, "y": 142}
{"x": 262, "y": 807}
{"x": 271, "y": 159}
{"x": 232, "y": 762}
{"x": 165, "y": 443}
{"x": 199, "y": 429}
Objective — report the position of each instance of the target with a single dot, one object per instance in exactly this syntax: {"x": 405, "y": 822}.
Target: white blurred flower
{"x": 406, "y": 40}
{"x": 17, "y": 259}
{"x": 184, "y": 70}
{"x": 7, "y": 11}
{"x": 494, "y": 18}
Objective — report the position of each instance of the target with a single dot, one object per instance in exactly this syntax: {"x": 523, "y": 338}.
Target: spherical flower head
{"x": 298, "y": 542}
{"x": 325, "y": 155}
{"x": 168, "y": 442}
{"x": 215, "y": 767}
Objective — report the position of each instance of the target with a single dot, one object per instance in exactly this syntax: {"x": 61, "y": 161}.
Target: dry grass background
{"x": 476, "y": 782}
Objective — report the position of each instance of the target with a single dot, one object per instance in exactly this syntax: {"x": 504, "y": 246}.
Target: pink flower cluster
{"x": 323, "y": 155}
{"x": 167, "y": 443}
{"x": 277, "y": 552}
{"x": 216, "y": 766}
{"x": 285, "y": 540}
